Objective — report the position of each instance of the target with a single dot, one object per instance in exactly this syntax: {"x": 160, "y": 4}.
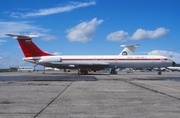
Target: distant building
{"x": 13, "y": 69}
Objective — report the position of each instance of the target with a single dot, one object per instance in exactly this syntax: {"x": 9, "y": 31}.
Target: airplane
{"x": 174, "y": 68}
{"x": 128, "y": 49}
{"x": 159, "y": 69}
{"x": 85, "y": 63}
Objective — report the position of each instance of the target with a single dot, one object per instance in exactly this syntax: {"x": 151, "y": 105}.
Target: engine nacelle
{"x": 50, "y": 59}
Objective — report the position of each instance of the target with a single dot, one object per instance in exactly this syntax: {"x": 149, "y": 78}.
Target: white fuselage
{"x": 102, "y": 61}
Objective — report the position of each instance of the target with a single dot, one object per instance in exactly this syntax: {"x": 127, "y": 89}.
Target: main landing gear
{"x": 44, "y": 70}
{"x": 82, "y": 72}
{"x": 113, "y": 71}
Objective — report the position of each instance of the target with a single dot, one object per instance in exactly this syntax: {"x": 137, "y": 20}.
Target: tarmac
{"x": 97, "y": 95}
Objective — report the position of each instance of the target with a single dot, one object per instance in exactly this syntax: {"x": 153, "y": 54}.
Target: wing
{"x": 79, "y": 65}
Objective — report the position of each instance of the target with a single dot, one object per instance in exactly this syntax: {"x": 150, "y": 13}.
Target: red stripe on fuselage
{"x": 112, "y": 59}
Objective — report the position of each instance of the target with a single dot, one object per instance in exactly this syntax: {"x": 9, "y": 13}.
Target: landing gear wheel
{"x": 159, "y": 73}
{"x": 79, "y": 72}
{"x": 82, "y": 72}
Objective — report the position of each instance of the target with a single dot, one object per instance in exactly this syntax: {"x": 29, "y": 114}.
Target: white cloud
{"x": 140, "y": 34}
{"x": 174, "y": 56}
{"x": 148, "y": 34}
{"x": 21, "y": 27}
{"x": 49, "y": 38}
{"x": 118, "y": 36}
{"x": 84, "y": 31}
{"x": 55, "y": 10}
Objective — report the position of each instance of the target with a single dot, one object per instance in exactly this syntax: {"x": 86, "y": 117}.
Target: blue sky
{"x": 95, "y": 27}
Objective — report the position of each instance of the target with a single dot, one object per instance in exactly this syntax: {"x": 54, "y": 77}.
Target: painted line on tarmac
{"x": 129, "y": 80}
{"x": 52, "y": 100}
{"x": 165, "y": 87}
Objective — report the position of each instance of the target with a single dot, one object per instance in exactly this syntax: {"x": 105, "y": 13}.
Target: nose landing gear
{"x": 159, "y": 73}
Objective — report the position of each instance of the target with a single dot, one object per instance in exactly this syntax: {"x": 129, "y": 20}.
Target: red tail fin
{"x": 28, "y": 47}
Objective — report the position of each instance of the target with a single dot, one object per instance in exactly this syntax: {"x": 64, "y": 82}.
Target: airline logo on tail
{"x": 124, "y": 53}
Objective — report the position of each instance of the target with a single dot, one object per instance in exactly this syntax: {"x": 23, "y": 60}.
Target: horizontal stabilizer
{"x": 134, "y": 45}
{"x": 22, "y": 36}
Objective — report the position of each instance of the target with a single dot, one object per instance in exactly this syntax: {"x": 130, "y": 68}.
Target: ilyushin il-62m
{"x": 86, "y": 63}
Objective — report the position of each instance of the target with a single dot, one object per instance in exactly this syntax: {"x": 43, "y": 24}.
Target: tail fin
{"x": 28, "y": 47}
{"x": 128, "y": 49}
